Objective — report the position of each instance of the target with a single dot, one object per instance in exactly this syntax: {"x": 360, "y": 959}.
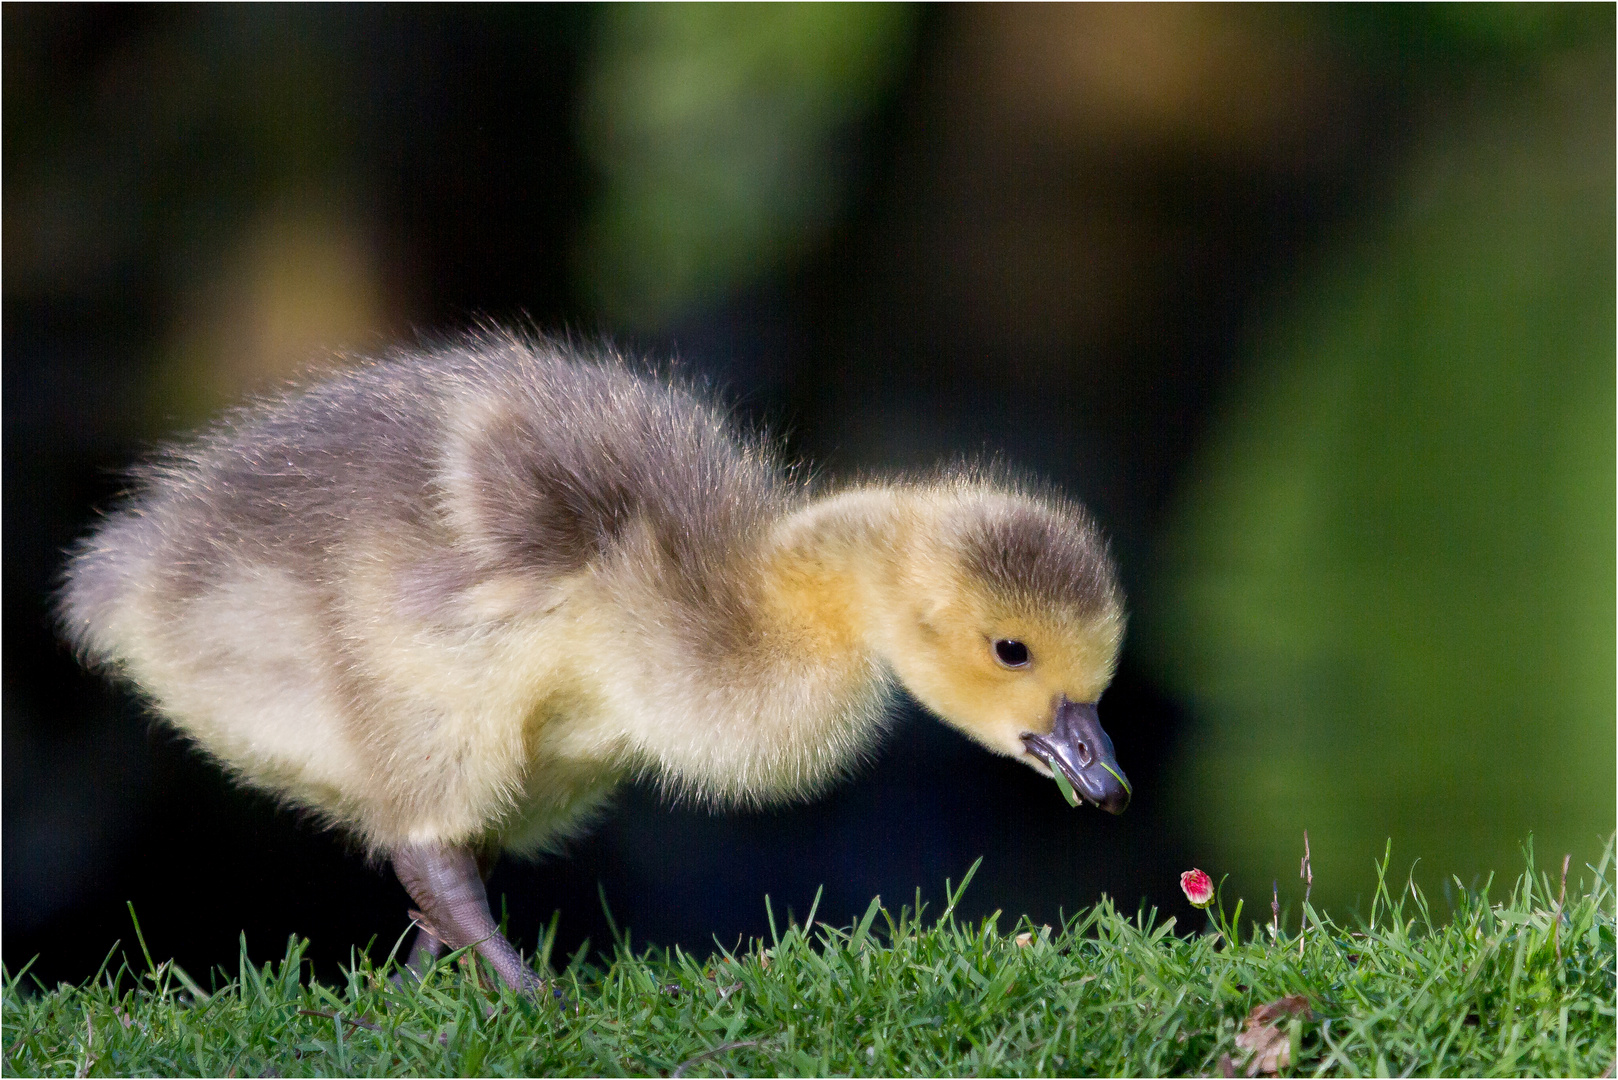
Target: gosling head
{"x": 1006, "y": 622}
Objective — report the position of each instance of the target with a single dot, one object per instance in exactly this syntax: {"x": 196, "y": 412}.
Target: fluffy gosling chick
{"x": 447, "y": 601}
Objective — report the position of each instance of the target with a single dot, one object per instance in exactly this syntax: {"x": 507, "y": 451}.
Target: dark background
{"x": 1045, "y": 233}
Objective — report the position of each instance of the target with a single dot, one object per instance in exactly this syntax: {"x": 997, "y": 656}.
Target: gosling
{"x": 448, "y": 600}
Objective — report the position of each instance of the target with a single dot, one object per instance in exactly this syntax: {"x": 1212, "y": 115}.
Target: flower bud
{"x": 1198, "y": 888}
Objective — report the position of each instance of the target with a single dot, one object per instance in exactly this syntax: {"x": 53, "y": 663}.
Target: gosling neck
{"x": 807, "y": 695}
{"x": 832, "y": 569}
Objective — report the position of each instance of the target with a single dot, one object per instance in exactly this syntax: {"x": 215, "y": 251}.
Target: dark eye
{"x": 1011, "y": 653}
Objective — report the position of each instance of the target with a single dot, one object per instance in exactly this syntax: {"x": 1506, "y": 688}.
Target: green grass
{"x": 1519, "y": 986}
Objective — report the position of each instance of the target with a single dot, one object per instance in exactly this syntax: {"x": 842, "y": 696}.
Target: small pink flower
{"x": 1198, "y": 888}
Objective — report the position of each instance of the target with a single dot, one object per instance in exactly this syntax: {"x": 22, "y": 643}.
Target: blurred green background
{"x": 714, "y": 130}
{"x": 1313, "y": 305}
{"x": 1388, "y": 586}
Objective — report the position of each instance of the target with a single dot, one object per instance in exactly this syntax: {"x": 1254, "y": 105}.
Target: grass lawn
{"x": 1513, "y": 985}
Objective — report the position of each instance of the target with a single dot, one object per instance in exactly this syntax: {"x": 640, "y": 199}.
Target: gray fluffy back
{"x": 570, "y": 449}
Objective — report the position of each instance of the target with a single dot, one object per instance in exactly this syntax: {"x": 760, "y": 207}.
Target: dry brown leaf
{"x": 1267, "y": 1045}
{"x": 1279, "y": 1009}
{"x": 1024, "y": 939}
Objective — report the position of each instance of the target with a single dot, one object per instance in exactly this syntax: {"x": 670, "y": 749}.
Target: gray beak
{"x": 1081, "y": 750}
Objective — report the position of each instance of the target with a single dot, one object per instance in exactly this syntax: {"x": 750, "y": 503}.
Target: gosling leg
{"x": 447, "y": 886}
{"x": 424, "y": 950}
